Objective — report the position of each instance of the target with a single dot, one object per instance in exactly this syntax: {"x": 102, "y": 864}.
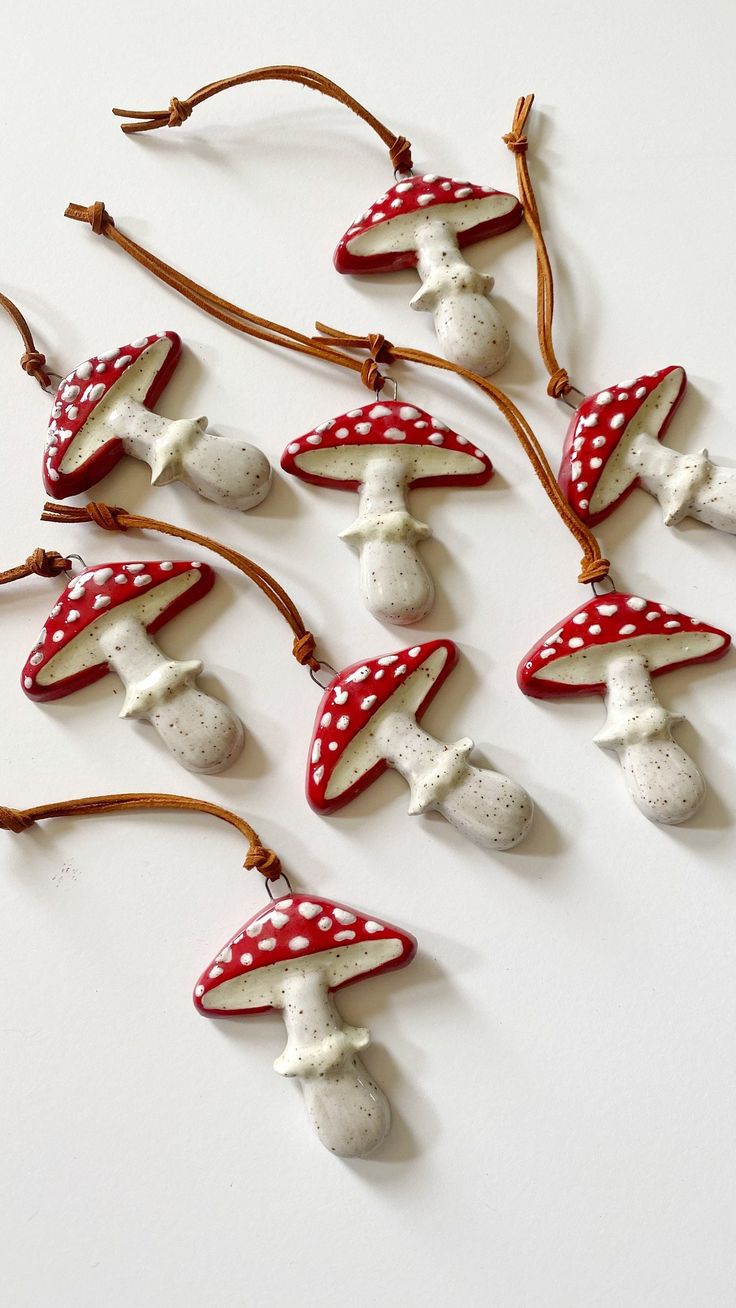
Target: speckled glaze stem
{"x": 200, "y": 731}
{"x": 662, "y": 779}
{"x": 469, "y": 328}
{"x": 349, "y": 1112}
{"x": 395, "y": 584}
{"x": 487, "y": 807}
{"x": 228, "y": 472}
{"x": 686, "y": 485}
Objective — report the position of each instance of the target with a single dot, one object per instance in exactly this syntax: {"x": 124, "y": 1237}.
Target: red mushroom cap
{"x": 594, "y": 481}
{"x": 333, "y": 454}
{"x": 66, "y": 655}
{"x": 288, "y": 934}
{"x": 381, "y": 239}
{"x": 68, "y": 468}
{"x": 570, "y": 659}
{"x": 343, "y": 761}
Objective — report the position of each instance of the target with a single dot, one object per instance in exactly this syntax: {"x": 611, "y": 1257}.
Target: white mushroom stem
{"x": 349, "y": 1112}
{"x": 686, "y": 485}
{"x": 468, "y": 325}
{"x": 661, "y": 777}
{"x": 228, "y": 472}
{"x": 487, "y": 807}
{"x": 201, "y": 732}
{"x": 395, "y": 584}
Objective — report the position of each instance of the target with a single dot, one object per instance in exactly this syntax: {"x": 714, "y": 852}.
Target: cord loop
{"x": 559, "y": 384}
{"x": 179, "y": 111}
{"x": 264, "y": 861}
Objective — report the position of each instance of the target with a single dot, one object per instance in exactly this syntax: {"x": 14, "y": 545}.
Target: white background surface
{"x": 561, "y": 1057}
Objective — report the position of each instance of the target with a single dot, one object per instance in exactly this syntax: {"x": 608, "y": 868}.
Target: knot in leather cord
{"x": 106, "y": 516}
{"x": 516, "y": 143}
{"x": 12, "y": 820}
{"x": 559, "y": 384}
{"x": 46, "y": 564}
{"x": 263, "y": 860}
{"x": 179, "y": 111}
{"x": 400, "y": 154}
{"x": 371, "y": 376}
{"x": 594, "y": 570}
{"x": 303, "y": 649}
{"x": 33, "y": 363}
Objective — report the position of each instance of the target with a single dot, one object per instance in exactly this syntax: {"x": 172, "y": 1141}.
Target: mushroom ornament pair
{"x": 104, "y": 621}
{"x": 103, "y": 410}
{"x": 613, "y": 444}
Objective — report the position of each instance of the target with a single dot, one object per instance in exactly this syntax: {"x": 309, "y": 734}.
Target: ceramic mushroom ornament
{"x": 292, "y": 956}
{"x": 423, "y": 223}
{"x": 613, "y": 445}
{"x": 369, "y": 720}
{"x": 382, "y": 451}
{"x": 614, "y": 646}
{"x": 103, "y": 410}
{"x": 104, "y": 622}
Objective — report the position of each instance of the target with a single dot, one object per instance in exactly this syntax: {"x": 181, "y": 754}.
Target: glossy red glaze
{"x": 607, "y": 621}
{"x": 416, "y": 195}
{"x": 76, "y": 398}
{"x": 291, "y": 929}
{"x": 597, "y": 429}
{"x": 386, "y": 425}
{"x": 350, "y": 702}
{"x": 85, "y": 596}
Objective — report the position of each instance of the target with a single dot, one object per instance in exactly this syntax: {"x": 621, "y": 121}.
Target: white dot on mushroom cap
{"x": 344, "y": 917}
{"x": 363, "y": 428}
{"x": 399, "y": 672}
{"x": 293, "y": 448}
{"x": 373, "y": 927}
{"x": 577, "y": 445}
{"x": 341, "y": 433}
{"x": 652, "y": 615}
{"x": 309, "y": 910}
{"x": 397, "y": 203}
{"x": 546, "y": 653}
{"x": 254, "y": 929}
{"x": 479, "y": 454}
{"x": 268, "y": 944}
{"x": 72, "y": 413}
{"x": 598, "y": 442}
{"x": 101, "y": 601}
{"x": 28, "y": 682}
{"x": 404, "y": 186}
{"x": 246, "y": 959}
{"x": 324, "y": 923}
{"x": 594, "y": 629}
{"x": 379, "y": 411}
{"x": 94, "y": 393}
{"x": 596, "y": 463}
{"x": 463, "y": 192}
{"x": 605, "y": 397}
{"x": 215, "y": 972}
{"x": 298, "y": 942}
{"x": 554, "y": 637}
{"x": 314, "y": 439}
{"x": 360, "y": 673}
{"x": 35, "y": 659}
{"x": 667, "y": 608}
{"x": 583, "y": 504}
{"x": 436, "y": 438}
{"x": 354, "y": 413}
{"x": 332, "y": 745}
{"x": 325, "y": 720}
{"x": 394, "y": 434}
{"x": 623, "y": 396}
{"x": 343, "y": 722}
{"x": 120, "y": 579}
{"x": 286, "y": 903}
{"x": 590, "y": 420}
{"x": 344, "y": 935}
{"x": 421, "y": 425}
{"x": 581, "y": 486}
{"x": 607, "y": 610}
{"x": 73, "y": 615}
{"x": 640, "y": 392}
{"x": 318, "y": 774}
{"x": 368, "y": 702}
{"x": 325, "y": 426}
{"x": 575, "y": 642}
{"x": 388, "y": 659}
{"x": 138, "y": 345}
{"x": 415, "y": 649}
{"x": 166, "y": 567}
{"x": 628, "y": 629}
{"x": 635, "y": 602}
{"x": 134, "y": 567}
{"x": 279, "y": 919}
{"x": 316, "y": 750}
{"x": 378, "y": 674}
{"x": 424, "y": 199}
{"x": 377, "y": 217}
{"x": 84, "y": 371}
{"x": 576, "y": 469}
{"x": 618, "y": 420}
{"x": 580, "y": 618}
{"x": 123, "y": 361}
{"x": 407, "y": 413}
{"x": 142, "y": 580}
{"x": 57, "y": 636}
{"x": 672, "y": 624}
{"x": 101, "y": 367}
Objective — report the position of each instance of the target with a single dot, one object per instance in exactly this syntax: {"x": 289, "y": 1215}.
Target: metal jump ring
{"x": 67, "y": 571}
{"x": 281, "y": 877}
{"x": 314, "y": 674}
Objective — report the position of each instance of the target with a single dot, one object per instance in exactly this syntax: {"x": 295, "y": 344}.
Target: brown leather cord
{"x": 559, "y": 381}
{"x": 241, "y": 320}
{"x": 41, "y": 563}
{"x": 112, "y": 518}
{"x": 179, "y": 110}
{"x": 593, "y": 566}
{"x": 261, "y": 858}
{"x": 378, "y": 349}
{"x": 31, "y": 361}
